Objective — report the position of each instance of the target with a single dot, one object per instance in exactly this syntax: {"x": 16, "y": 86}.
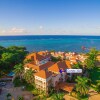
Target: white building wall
{"x": 43, "y": 81}
{"x": 56, "y": 78}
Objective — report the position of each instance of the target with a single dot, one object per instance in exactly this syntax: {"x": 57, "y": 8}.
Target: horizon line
{"x": 48, "y": 35}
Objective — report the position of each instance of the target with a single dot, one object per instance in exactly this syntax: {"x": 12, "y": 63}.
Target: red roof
{"x": 60, "y": 65}
{"x": 38, "y": 68}
{"x": 35, "y": 56}
{"x": 43, "y": 74}
{"x": 65, "y": 86}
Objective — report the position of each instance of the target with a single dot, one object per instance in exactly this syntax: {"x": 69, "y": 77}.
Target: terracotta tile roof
{"x": 38, "y": 68}
{"x": 47, "y": 65}
{"x": 60, "y": 65}
{"x": 68, "y": 63}
{"x": 41, "y": 52}
{"x": 32, "y": 65}
{"x": 35, "y": 56}
{"x": 73, "y": 58}
{"x": 65, "y": 86}
{"x": 45, "y": 54}
{"x": 43, "y": 74}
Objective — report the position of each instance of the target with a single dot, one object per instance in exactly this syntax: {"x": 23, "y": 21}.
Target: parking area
{"x": 5, "y": 90}
{"x": 15, "y": 92}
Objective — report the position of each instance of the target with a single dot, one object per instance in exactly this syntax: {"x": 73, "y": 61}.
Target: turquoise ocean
{"x": 52, "y": 42}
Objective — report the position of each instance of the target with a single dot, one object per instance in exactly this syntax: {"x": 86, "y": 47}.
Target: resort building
{"x": 38, "y": 62}
{"x": 58, "y": 76}
{"x": 48, "y": 73}
{"x": 43, "y": 80}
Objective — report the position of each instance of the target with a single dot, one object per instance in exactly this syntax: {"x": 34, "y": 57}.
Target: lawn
{"x": 95, "y": 75}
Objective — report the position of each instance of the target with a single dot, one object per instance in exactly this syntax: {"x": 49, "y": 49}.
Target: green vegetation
{"x": 82, "y": 85}
{"x": 95, "y": 75}
{"x": 11, "y": 56}
{"x": 97, "y": 87}
{"x": 92, "y": 59}
{"x": 55, "y": 59}
{"x": 17, "y": 82}
{"x": 77, "y": 66}
{"x": 52, "y": 50}
{"x": 29, "y": 76}
{"x": 82, "y": 97}
{"x": 20, "y": 98}
{"x": 19, "y": 70}
{"x": 57, "y": 96}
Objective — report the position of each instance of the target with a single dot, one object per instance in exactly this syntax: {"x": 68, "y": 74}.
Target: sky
{"x": 49, "y": 17}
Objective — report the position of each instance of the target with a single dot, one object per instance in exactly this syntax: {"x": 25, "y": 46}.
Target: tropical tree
{"x": 8, "y": 57}
{"x": 90, "y": 64}
{"x": 19, "y": 69}
{"x": 98, "y": 86}
{"x": 43, "y": 95}
{"x": 11, "y": 56}
{"x": 27, "y": 61}
{"x": 55, "y": 59}
{"x": 93, "y": 52}
{"x": 77, "y": 66}
{"x": 29, "y": 76}
{"x": 20, "y": 98}
{"x": 91, "y": 59}
{"x": 2, "y": 49}
{"x": 82, "y": 85}
{"x": 58, "y": 96}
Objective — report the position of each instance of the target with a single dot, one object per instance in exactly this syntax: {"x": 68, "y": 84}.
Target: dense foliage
{"x": 55, "y": 59}
{"x": 82, "y": 85}
{"x": 29, "y": 76}
{"x": 92, "y": 58}
{"x": 11, "y": 56}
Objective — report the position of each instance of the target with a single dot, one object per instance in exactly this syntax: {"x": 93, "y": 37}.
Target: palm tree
{"x": 98, "y": 86}
{"x": 18, "y": 70}
{"x": 82, "y": 85}
{"x": 89, "y": 63}
{"x": 77, "y": 66}
{"x": 43, "y": 95}
{"x": 93, "y": 52}
{"x": 58, "y": 96}
{"x": 92, "y": 58}
{"x": 29, "y": 76}
{"x": 27, "y": 61}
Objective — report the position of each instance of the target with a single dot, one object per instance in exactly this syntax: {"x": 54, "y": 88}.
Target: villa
{"x": 38, "y": 61}
{"x": 48, "y": 73}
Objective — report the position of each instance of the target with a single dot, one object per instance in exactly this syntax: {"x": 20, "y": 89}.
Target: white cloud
{"x": 13, "y": 31}
{"x": 17, "y": 30}
{"x": 41, "y": 27}
{"x": 52, "y": 31}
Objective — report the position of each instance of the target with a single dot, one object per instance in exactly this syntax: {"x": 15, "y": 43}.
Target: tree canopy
{"x": 10, "y": 56}
{"x": 82, "y": 85}
{"x": 92, "y": 58}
